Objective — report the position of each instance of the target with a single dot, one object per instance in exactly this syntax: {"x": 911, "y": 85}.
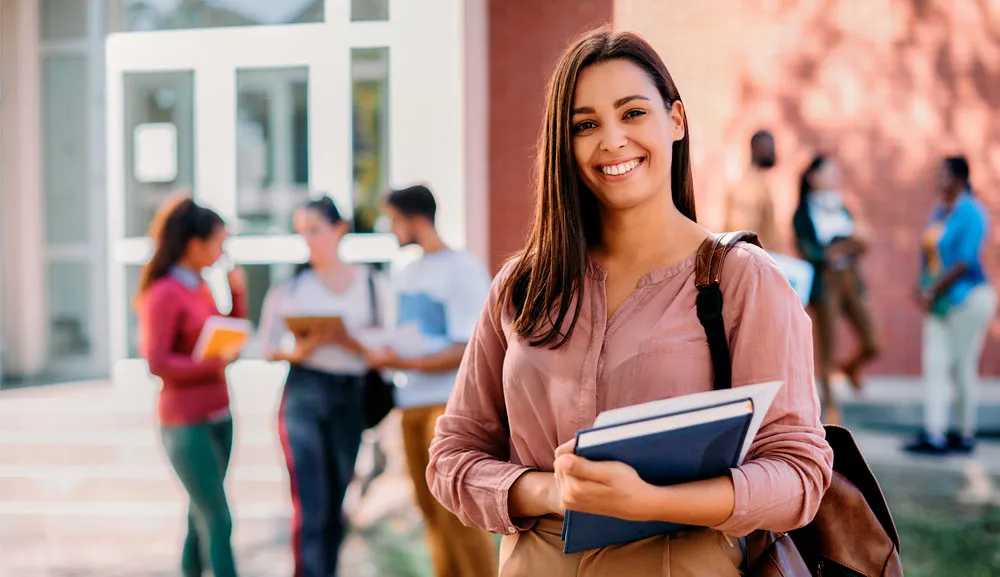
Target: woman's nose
{"x": 613, "y": 139}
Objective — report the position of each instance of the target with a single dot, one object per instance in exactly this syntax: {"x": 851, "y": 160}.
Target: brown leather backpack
{"x": 853, "y": 533}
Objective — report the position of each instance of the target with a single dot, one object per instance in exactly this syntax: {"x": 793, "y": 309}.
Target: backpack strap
{"x": 373, "y": 298}
{"x": 707, "y": 278}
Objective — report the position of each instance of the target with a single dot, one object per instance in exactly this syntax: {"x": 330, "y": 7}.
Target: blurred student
{"x": 196, "y": 426}
{"x": 828, "y": 237}
{"x": 440, "y": 296}
{"x": 322, "y": 406}
{"x": 958, "y": 303}
{"x": 749, "y": 202}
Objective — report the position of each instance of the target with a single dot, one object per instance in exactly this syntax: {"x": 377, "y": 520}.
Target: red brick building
{"x": 887, "y": 87}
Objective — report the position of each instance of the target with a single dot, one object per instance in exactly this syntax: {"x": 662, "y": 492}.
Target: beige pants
{"x": 952, "y": 347}
{"x": 842, "y": 295}
{"x": 456, "y": 550}
{"x": 696, "y": 553}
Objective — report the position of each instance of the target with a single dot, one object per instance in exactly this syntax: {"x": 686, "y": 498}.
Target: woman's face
{"x": 623, "y": 134}
{"x": 827, "y": 176}
{"x": 320, "y": 234}
{"x": 946, "y": 180}
{"x": 203, "y": 253}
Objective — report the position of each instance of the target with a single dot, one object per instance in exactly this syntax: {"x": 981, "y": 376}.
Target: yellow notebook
{"x": 221, "y": 336}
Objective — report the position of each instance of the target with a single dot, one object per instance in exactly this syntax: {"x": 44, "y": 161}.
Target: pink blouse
{"x": 513, "y": 404}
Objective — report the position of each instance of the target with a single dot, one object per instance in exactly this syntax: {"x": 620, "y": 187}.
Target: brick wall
{"x": 526, "y": 38}
{"x": 887, "y": 87}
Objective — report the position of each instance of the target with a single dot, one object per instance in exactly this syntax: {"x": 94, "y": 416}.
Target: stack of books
{"x": 667, "y": 442}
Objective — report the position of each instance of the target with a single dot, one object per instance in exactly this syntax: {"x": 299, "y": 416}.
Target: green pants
{"x": 200, "y": 455}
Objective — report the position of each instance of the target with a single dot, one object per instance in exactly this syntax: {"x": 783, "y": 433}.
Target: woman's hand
{"x": 305, "y": 346}
{"x": 227, "y": 358}
{"x": 924, "y": 299}
{"x": 237, "y": 280}
{"x": 386, "y": 359}
{"x": 602, "y": 488}
{"x": 343, "y": 339}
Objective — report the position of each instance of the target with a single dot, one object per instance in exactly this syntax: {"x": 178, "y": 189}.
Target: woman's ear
{"x": 677, "y": 113}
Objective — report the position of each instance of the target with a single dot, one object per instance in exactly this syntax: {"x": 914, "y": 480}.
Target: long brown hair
{"x": 548, "y": 275}
{"x": 177, "y": 222}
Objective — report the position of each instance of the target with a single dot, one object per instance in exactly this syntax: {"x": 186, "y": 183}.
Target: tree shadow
{"x": 888, "y": 88}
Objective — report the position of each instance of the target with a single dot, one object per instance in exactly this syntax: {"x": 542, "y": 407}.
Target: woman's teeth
{"x": 619, "y": 169}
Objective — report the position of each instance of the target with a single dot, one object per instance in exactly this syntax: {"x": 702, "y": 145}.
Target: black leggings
{"x": 321, "y": 422}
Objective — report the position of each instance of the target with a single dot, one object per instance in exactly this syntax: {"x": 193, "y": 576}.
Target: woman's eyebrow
{"x": 623, "y": 101}
{"x": 618, "y": 104}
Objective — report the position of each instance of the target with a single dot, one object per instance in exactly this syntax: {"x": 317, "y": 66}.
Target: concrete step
{"x": 897, "y": 404}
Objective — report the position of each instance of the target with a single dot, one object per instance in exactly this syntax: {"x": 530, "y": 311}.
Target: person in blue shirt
{"x": 959, "y": 303}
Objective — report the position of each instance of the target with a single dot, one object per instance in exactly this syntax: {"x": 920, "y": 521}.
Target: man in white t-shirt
{"x": 440, "y": 298}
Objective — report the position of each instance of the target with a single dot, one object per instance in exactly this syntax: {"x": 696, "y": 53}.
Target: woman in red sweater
{"x": 196, "y": 425}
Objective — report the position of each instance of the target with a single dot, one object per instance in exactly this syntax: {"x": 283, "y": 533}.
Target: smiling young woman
{"x": 598, "y": 312}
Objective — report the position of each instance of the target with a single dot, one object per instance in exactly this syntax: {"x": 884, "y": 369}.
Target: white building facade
{"x": 255, "y": 106}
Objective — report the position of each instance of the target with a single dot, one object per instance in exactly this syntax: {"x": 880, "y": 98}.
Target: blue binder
{"x": 664, "y": 450}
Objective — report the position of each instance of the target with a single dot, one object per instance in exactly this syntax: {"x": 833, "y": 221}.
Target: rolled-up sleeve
{"x": 470, "y": 471}
{"x": 788, "y": 469}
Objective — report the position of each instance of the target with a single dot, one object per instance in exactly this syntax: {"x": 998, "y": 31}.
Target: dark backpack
{"x": 853, "y": 533}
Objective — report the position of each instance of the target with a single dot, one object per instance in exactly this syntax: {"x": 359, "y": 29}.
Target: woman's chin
{"x": 629, "y": 198}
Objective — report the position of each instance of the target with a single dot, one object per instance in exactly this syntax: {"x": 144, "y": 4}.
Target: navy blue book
{"x": 664, "y": 450}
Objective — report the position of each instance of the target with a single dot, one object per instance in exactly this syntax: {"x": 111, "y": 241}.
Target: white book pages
{"x": 761, "y": 394}
{"x": 654, "y": 426}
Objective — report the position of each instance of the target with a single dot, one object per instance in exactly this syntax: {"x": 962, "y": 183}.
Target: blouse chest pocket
{"x": 666, "y": 368}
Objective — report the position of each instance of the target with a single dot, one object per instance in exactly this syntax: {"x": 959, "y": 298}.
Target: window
{"x": 69, "y": 309}
{"x": 132, "y": 322}
{"x": 65, "y": 151}
{"x": 63, "y": 19}
{"x": 370, "y": 116}
{"x": 146, "y": 15}
{"x": 272, "y": 148}
{"x": 159, "y": 143}
{"x": 260, "y": 279}
{"x": 362, "y": 10}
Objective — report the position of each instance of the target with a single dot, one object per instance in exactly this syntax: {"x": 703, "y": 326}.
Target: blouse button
{"x": 511, "y": 530}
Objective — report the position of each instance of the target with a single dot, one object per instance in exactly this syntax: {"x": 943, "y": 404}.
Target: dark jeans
{"x": 200, "y": 456}
{"x": 321, "y": 421}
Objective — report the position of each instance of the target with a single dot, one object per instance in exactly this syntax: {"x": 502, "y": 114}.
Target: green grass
{"x": 396, "y": 551}
{"x": 948, "y": 541}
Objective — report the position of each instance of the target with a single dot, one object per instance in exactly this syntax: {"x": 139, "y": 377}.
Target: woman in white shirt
{"x": 322, "y": 408}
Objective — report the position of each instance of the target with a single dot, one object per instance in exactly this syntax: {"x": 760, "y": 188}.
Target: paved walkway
{"x": 86, "y": 490}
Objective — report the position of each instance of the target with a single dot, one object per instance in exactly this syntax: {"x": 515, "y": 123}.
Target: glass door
{"x": 71, "y": 44}
{"x": 348, "y": 100}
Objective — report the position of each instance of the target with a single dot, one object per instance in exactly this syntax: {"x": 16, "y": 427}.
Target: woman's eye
{"x": 585, "y": 125}
{"x": 635, "y": 113}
